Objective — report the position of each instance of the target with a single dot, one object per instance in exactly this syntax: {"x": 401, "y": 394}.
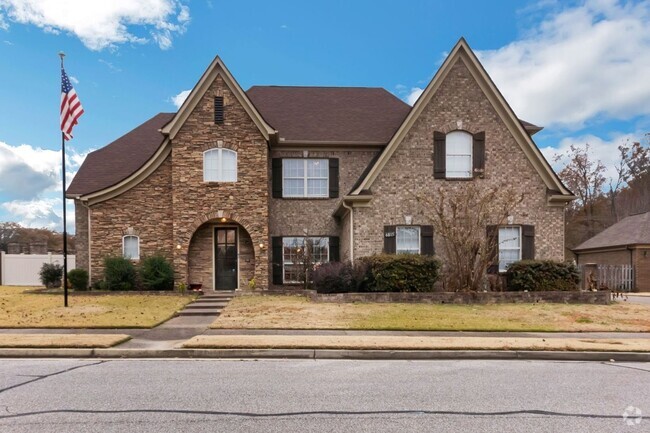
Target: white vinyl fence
{"x": 617, "y": 278}
{"x": 22, "y": 269}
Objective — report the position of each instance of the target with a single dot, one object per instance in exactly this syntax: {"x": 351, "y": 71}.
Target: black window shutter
{"x": 276, "y": 244}
{"x": 527, "y": 242}
{"x": 389, "y": 239}
{"x": 276, "y": 175}
{"x": 334, "y": 249}
{"x": 218, "y": 109}
{"x": 426, "y": 241}
{"x": 439, "y": 155}
{"x": 334, "y": 177}
{"x": 493, "y": 248}
{"x": 478, "y": 152}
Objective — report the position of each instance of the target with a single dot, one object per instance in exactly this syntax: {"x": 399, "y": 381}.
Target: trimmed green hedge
{"x": 402, "y": 272}
{"x": 157, "y": 273}
{"x": 51, "y": 275}
{"x": 119, "y": 274}
{"x": 78, "y": 279}
{"x": 542, "y": 275}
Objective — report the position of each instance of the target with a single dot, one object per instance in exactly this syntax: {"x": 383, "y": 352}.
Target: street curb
{"x": 115, "y": 353}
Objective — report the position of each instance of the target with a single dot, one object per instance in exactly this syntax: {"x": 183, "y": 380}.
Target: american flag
{"x": 71, "y": 108}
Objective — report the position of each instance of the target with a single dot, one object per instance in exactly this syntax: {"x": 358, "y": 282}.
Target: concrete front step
{"x": 206, "y": 306}
{"x": 197, "y": 312}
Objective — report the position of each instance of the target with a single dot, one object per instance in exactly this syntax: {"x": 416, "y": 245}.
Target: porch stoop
{"x": 208, "y": 305}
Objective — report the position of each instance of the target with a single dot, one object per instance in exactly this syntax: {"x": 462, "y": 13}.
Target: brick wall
{"x": 458, "y": 101}
{"x": 196, "y": 202}
{"x": 145, "y": 208}
{"x": 81, "y": 234}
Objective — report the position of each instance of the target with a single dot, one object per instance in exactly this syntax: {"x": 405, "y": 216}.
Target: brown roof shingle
{"x": 117, "y": 161}
{"x": 330, "y": 114}
{"x": 634, "y": 229}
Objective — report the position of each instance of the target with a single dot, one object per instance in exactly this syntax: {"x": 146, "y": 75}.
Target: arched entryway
{"x": 221, "y": 256}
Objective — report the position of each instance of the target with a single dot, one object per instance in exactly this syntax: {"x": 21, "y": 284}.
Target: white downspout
{"x": 351, "y": 211}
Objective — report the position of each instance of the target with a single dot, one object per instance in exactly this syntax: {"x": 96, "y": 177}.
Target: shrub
{"x": 78, "y": 279}
{"x": 157, "y": 273}
{"x": 51, "y": 275}
{"x": 542, "y": 275}
{"x": 337, "y": 277}
{"x": 119, "y": 273}
{"x": 402, "y": 273}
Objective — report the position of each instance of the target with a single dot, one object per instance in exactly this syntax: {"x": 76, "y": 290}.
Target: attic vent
{"x": 218, "y": 109}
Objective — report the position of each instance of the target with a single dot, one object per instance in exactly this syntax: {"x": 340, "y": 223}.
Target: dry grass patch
{"x": 28, "y": 310}
{"x": 294, "y": 312}
{"x": 349, "y": 342}
{"x": 58, "y": 341}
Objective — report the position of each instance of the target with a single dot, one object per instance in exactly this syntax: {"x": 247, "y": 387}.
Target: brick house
{"x": 231, "y": 186}
{"x": 625, "y": 243}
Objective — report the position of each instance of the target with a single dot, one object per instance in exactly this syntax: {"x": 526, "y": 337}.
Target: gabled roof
{"x": 632, "y": 230}
{"x": 216, "y": 68}
{"x": 117, "y": 161}
{"x": 462, "y": 52}
{"x": 328, "y": 115}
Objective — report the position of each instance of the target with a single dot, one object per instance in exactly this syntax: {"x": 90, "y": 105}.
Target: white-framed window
{"x": 220, "y": 165}
{"x": 509, "y": 246}
{"x": 305, "y": 177}
{"x": 407, "y": 239}
{"x": 458, "y": 163}
{"x": 294, "y": 252}
{"x": 131, "y": 247}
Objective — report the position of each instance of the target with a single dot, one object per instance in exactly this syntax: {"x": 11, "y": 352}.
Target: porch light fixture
{"x": 261, "y": 246}
{"x": 178, "y": 247}
{"x": 224, "y": 219}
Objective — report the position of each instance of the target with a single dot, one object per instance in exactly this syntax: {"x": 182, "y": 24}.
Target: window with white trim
{"x": 407, "y": 239}
{"x": 131, "y": 247}
{"x": 509, "y": 246}
{"x": 458, "y": 163}
{"x": 220, "y": 165}
{"x": 297, "y": 250}
{"x": 305, "y": 177}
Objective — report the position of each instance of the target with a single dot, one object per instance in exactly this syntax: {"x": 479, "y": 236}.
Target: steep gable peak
{"x": 216, "y": 68}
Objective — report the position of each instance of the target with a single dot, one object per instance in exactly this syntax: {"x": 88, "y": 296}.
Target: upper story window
{"x": 131, "y": 247}
{"x": 509, "y": 246}
{"x": 220, "y": 165}
{"x": 458, "y": 155}
{"x": 407, "y": 239}
{"x": 305, "y": 178}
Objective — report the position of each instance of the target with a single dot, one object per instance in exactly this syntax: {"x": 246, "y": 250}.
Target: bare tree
{"x": 460, "y": 218}
{"x": 306, "y": 256}
{"x": 585, "y": 176}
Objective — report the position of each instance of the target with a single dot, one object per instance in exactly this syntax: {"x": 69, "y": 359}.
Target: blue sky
{"x": 577, "y": 68}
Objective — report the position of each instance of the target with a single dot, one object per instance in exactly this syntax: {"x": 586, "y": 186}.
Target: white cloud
{"x": 178, "y": 100}
{"x": 27, "y": 172}
{"x": 413, "y": 95}
{"x": 599, "y": 149}
{"x": 102, "y": 24}
{"x": 580, "y": 63}
{"x": 74, "y": 79}
{"x": 37, "y": 213}
{"x": 110, "y": 66}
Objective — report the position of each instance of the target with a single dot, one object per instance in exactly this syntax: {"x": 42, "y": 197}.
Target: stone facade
{"x": 458, "y": 101}
{"x": 244, "y": 202}
{"x": 144, "y": 210}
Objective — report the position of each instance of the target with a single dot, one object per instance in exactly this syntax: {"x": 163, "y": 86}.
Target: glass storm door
{"x": 225, "y": 258}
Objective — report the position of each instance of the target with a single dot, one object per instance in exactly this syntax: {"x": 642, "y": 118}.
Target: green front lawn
{"x": 294, "y": 312}
{"x": 30, "y": 310}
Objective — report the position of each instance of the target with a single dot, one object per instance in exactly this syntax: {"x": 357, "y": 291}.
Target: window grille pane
{"x": 305, "y": 177}
{"x": 293, "y": 168}
{"x": 317, "y": 167}
{"x": 130, "y": 248}
{"x": 458, "y": 145}
{"x": 317, "y": 188}
{"x": 293, "y": 188}
{"x": 220, "y": 165}
{"x": 509, "y": 246}
{"x": 408, "y": 240}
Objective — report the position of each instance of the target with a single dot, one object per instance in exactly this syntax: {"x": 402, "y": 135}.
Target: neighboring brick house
{"x": 625, "y": 243}
{"x": 231, "y": 186}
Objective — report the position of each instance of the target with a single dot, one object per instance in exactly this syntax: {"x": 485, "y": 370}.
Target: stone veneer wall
{"x": 81, "y": 235}
{"x": 146, "y": 208}
{"x": 201, "y": 257}
{"x": 244, "y": 202}
{"x": 458, "y": 101}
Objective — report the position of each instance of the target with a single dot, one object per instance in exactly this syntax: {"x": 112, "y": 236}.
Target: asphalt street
{"x": 322, "y": 396}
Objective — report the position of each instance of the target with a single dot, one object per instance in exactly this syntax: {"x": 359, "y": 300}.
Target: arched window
{"x": 131, "y": 247}
{"x": 459, "y": 155}
{"x": 220, "y": 165}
